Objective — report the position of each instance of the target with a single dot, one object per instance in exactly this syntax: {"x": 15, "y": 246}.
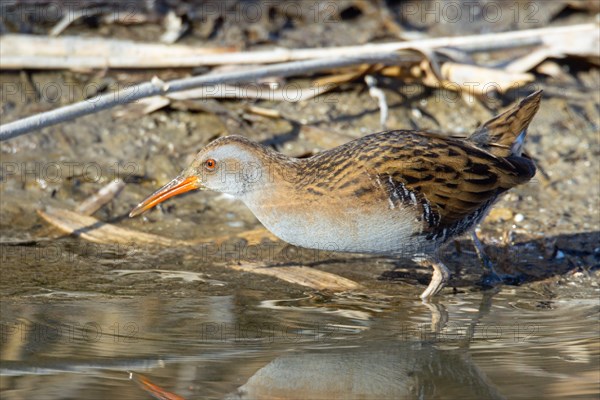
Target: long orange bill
{"x": 179, "y": 185}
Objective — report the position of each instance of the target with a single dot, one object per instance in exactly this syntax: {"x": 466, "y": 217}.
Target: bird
{"x": 399, "y": 193}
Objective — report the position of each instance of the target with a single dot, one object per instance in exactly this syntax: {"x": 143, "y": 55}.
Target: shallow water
{"x": 511, "y": 343}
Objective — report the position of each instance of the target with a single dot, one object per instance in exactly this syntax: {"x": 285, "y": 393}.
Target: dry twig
{"x": 158, "y": 87}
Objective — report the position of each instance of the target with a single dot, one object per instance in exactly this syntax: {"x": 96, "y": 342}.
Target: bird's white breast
{"x": 345, "y": 229}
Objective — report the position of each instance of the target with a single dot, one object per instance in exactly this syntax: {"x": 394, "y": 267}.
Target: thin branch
{"x": 158, "y": 87}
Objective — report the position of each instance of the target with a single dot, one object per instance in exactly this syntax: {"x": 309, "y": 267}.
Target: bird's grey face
{"x": 231, "y": 168}
{"x": 227, "y": 166}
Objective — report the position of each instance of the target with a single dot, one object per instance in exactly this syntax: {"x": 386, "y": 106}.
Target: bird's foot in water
{"x": 490, "y": 277}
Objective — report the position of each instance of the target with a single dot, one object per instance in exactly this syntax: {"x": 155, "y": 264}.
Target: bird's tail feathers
{"x": 504, "y": 135}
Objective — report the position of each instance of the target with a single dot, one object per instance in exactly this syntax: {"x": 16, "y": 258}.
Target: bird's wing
{"x": 447, "y": 179}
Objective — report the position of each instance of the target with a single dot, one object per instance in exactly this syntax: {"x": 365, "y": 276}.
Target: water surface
{"x": 512, "y": 343}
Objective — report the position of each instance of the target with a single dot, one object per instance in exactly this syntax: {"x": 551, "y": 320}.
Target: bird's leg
{"x": 485, "y": 260}
{"x": 491, "y": 277}
{"x": 440, "y": 277}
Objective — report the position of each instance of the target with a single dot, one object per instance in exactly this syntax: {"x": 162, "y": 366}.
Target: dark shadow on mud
{"x": 521, "y": 262}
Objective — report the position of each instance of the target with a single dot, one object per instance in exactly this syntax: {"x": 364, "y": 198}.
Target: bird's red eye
{"x": 210, "y": 164}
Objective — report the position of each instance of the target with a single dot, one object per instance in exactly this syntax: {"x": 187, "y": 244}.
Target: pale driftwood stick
{"x": 97, "y": 200}
{"x": 158, "y": 87}
{"x": 93, "y": 230}
{"x": 300, "y": 275}
{"x": 74, "y": 52}
{"x": 25, "y": 51}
